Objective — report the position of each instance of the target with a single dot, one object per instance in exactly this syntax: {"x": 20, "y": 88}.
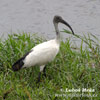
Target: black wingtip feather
{"x": 19, "y": 64}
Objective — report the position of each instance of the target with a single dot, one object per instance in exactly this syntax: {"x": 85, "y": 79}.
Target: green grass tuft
{"x": 72, "y": 68}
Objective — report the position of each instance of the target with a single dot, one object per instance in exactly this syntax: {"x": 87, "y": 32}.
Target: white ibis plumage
{"x": 42, "y": 53}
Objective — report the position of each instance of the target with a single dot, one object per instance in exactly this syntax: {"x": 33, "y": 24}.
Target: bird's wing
{"x": 41, "y": 54}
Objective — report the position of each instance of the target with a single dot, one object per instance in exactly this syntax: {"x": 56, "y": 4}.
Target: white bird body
{"x": 42, "y": 53}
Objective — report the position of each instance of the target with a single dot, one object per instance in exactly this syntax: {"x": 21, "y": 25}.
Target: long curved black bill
{"x": 64, "y": 22}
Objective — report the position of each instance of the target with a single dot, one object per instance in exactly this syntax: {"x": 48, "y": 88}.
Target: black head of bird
{"x": 58, "y": 19}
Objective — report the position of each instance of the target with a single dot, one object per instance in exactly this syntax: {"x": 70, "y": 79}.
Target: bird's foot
{"x": 39, "y": 77}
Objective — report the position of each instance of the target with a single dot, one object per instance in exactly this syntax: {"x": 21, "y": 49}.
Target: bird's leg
{"x": 44, "y": 71}
{"x": 39, "y": 75}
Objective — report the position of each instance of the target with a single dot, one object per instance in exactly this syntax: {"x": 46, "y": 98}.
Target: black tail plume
{"x": 18, "y": 65}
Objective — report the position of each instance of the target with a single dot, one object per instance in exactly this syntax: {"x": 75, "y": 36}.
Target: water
{"x": 35, "y": 16}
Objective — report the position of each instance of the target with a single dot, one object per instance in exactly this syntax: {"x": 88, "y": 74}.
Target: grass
{"x": 73, "y": 68}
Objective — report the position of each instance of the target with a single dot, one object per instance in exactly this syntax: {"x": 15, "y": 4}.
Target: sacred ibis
{"x": 42, "y": 53}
